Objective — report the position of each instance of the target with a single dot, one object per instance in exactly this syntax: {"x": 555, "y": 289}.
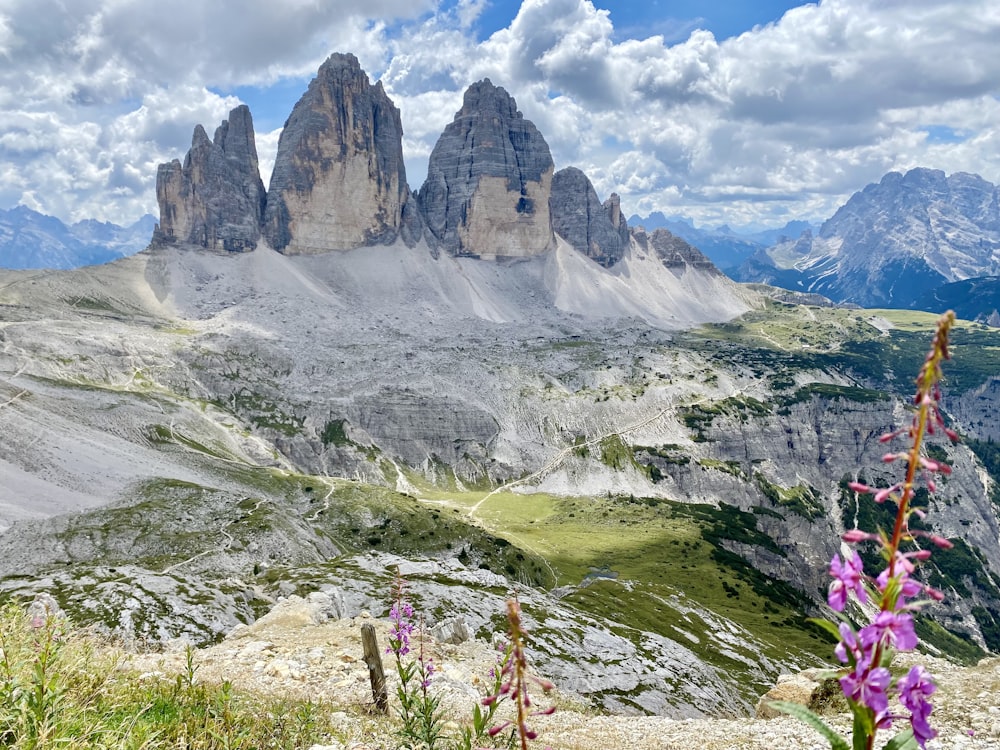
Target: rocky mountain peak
{"x": 675, "y": 253}
{"x": 597, "y": 230}
{"x": 613, "y": 208}
{"x": 923, "y": 226}
{"x": 339, "y": 180}
{"x": 483, "y": 99}
{"x": 235, "y": 137}
{"x": 216, "y": 198}
{"x": 489, "y": 180}
{"x": 199, "y": 139}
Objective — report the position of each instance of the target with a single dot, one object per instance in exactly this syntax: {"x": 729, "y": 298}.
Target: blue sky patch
{"x": 944, "y": 134}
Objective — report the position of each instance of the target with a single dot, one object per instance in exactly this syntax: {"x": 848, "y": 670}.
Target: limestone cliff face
{"x": 339, "y": 181}
{"x": 489, "y": 179}
{"x": 597, "y": 230}
{"x": 216, "y": 199}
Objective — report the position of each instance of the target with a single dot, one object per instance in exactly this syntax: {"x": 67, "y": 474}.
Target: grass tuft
{"x": 59, "y": 689}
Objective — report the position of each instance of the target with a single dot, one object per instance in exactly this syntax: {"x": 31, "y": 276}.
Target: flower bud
{"x": 941, "y": 542}
{"x": 855, "y": 535}
{"x": 881, "y": 495}
{"x": 934, "y": 594}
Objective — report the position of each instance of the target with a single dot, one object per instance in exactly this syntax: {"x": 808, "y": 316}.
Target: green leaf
{"x": 864, "y": 725}
{"x": 902, "y": 741}
{"x": 828, "y": 674}
{"x": 888, "y": 654}
{"x": 827, "y": 625}
{"x": 802, "y": 713}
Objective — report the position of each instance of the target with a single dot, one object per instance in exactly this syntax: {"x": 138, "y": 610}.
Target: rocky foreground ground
{"x": 293, "y": 652}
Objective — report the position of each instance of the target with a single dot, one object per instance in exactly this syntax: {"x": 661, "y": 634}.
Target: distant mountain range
{"x": 29, "y": 239}
{"x": 727, "y": 248}
{"x": 897, "y": 244}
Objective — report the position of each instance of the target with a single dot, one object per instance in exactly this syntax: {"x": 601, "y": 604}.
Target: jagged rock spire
{"x": 216, "y": 199}
{"x": 339, "y": 180}
{"x": 488, "y": 180}
{"x": 597, "y": 230}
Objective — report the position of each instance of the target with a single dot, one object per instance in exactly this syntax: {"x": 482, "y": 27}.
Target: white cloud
{"x": 267, "y": 149}
{"x": 783, "y": 121}
{"x": 102, "y": 90}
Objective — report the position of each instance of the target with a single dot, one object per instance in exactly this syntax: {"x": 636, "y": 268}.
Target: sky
{"x": 745, "y": 112}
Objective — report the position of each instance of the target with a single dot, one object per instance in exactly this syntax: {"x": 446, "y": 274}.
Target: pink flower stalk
{"x": 401, "y": 617}
{"x": 516, "y": 679}
{"x": 868, "y": 683}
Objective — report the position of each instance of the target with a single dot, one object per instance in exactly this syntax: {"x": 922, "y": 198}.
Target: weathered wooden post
{"x": 374, "y": 661}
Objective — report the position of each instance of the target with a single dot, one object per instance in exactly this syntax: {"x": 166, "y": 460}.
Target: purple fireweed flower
{"x": 922, "y": 731}
{"x": 903, "y": 563}
{"x": 847, "y": 577}
{"x": 915, "y": 687}
{"x": 428, "y": 673}
{"x": 908, "y": 588}
{"x": 892, "y": 628}
{"x": 868, "y": 687}
{"x": 848, "y": 644}
{"x": 402, "y": 628}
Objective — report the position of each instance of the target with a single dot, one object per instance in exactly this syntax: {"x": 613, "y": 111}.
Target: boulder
{"x": 339, "y": 181}
{"x": 454, "y": 630}
{"x": 597, "y": 230}
{"x": 216, "y": 199}
{"x": 295, "y": 612}
{"x": 790, "y": 688}
{"x": 489, "y": 180}
{"x": 43, "y": 609}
